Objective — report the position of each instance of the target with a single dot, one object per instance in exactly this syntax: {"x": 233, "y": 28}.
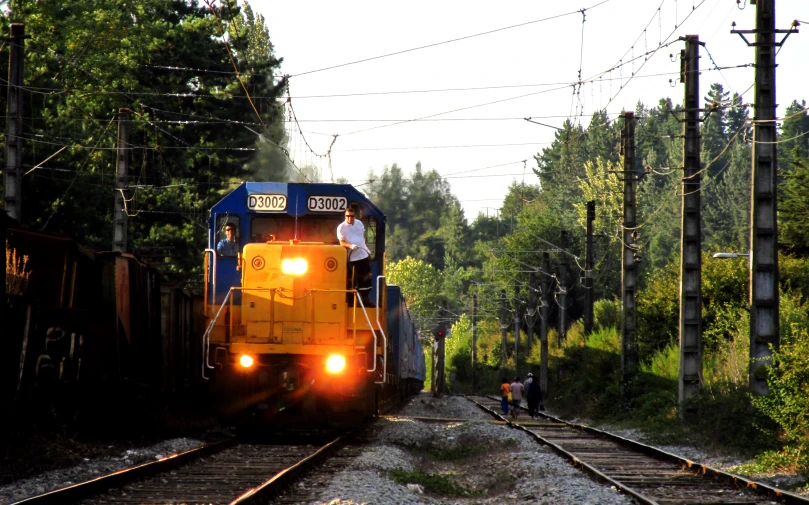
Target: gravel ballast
{"x": 480, "y": 462}
{"x": 92, "y": 468}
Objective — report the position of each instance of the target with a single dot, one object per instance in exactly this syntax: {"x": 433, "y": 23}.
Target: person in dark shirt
{"x": 534, "y": 395}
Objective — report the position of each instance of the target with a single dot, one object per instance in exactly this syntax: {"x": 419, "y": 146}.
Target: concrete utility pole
{"x": 588, "y": 269}
{"x": 441, "y": 337}
{"x": 474, "y": 340}
{"x": 516, "y": 321}
{"x": 543, "y": 326}
{"x": 629, "y": 352}
{"x": 531, "y": 312}
{"x": 433, "y": 384}
{"x": 563, "y": 292}
{"x": 12, "y": 175}
{"x": 120, "y": 217}
{"x": 503, "y": 325}
{"x": 690, "y": 375}
{"x": 764, "y": 297}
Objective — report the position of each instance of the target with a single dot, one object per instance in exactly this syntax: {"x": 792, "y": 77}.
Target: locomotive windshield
{"x": 311, "y": 228}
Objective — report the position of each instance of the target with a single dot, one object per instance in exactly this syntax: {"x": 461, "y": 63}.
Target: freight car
{"x": 90, "y": 325}
{"x": 287, "y": 341}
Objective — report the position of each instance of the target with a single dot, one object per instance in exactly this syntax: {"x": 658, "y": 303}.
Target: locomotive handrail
{"x": 213, "y": 277}
{"x": 206, "y": 337}
{"x": 384, "y": 337}
{"x": 368, "y": 320}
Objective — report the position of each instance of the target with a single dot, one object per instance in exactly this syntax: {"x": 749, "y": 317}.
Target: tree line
{"x": 204, "y": 91}
{"x": 450, "y": 261}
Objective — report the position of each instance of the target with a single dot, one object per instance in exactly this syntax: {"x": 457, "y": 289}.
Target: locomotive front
{"x": 286, "y": 342}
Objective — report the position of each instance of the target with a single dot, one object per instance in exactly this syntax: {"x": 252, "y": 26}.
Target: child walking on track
{"x": 505, "y": 392}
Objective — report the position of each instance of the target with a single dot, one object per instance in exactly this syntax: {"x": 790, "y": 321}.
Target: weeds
{"x": 441, "y": 484}
{"x": 16, "y": 274}
{"x": 457, "y": 452}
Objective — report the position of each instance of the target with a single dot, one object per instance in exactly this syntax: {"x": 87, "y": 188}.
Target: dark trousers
{"x": 360, "y": 273}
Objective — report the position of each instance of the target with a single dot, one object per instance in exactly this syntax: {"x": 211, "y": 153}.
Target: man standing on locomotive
{"x": 351, "y": 234}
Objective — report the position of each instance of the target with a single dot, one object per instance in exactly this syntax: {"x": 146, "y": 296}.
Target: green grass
{"x": 457, "y": 452}
{"x": 433, "y": 483}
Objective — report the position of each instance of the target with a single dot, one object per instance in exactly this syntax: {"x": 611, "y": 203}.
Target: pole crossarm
{"x": 766, "y": 43}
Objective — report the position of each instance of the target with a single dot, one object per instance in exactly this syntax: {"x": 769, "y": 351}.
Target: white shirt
{"x": 354, "y": 234}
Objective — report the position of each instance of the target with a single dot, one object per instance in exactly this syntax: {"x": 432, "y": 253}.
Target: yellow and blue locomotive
{"x": 288, "y": 341}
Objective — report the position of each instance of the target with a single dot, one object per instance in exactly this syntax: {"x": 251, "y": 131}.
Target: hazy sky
{"x": 530, "y": 68}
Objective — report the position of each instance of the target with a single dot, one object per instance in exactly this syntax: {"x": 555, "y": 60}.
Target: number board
{"x": 266, "y": 203}
{"x": 327, "y": 203}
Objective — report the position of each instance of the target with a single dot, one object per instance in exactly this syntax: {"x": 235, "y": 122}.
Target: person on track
{"x": 534, "y": 397}
{"x": 517, "y": 391}
{"x": 505, "y": 392}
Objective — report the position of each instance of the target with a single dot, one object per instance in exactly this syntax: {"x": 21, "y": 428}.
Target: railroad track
{"x": 223, "y": 473}
{"x": 649, "y": 475}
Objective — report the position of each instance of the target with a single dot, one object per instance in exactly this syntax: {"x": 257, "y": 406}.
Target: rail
{"x": 766, "y": 491}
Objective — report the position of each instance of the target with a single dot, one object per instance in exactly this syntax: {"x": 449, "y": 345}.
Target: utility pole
{"x": 629, "y": 353}
{"x": 503, "y": 326}
{"x": 690, "y": 375}
{"x": 441, "y": 337}
{"x": 563, "y": 291}
{"x": 530, "y": 312}
{"x": 12, "y": 175}
{"x": 588, "y": 269}
{"x": 120, "y": 216}
{"x": 764, "y": 298}
{"x": 516, "y": 321}
{"x": 474, "y": 340}
{"x": 433, "y": 384}
{"x": 543, "y": 326}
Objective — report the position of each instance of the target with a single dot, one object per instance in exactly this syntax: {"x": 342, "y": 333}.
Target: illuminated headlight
{"x": 335, "y": 363}
{"x": 246, "y": 361}
{"x": 297, "y": 266}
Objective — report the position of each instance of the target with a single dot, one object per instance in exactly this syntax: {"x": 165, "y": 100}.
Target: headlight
{"x": 245, "y": 361}
{"x": 335, "y": 363}
{"x": 297, "y": 266}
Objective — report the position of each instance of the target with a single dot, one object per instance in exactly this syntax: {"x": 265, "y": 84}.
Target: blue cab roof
{"x": 297, "y": 195}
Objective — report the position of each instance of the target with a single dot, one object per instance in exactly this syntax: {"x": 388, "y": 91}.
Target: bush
{"x": 606, "y": 314}
{"x": 724, "y": 291}
{"x": 788, "y": 380}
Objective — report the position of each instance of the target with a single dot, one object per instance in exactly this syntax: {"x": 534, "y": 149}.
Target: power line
{"x": 443, "y": 147}
{"x": 447, "y": 41}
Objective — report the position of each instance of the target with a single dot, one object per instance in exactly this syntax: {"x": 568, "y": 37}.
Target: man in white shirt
{"x": 351, "y": 234}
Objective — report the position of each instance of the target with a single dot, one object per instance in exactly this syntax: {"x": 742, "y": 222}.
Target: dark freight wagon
{"x": 90, "y": 326}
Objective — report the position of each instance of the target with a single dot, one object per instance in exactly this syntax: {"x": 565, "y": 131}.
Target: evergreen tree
{"x": 726, "y": 204}
{"x": 793, "y": 207}
{"x": 795, "y": 140}
{"x": 737, "y": 117}
{"x": 714, "y": 129}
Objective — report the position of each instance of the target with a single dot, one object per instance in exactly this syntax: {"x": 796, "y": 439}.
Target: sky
{"x": 417, "y": 106}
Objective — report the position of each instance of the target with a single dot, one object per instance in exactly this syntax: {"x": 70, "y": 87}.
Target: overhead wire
{"x": 56, "y": 207}
{"x": 550, "y": 18}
